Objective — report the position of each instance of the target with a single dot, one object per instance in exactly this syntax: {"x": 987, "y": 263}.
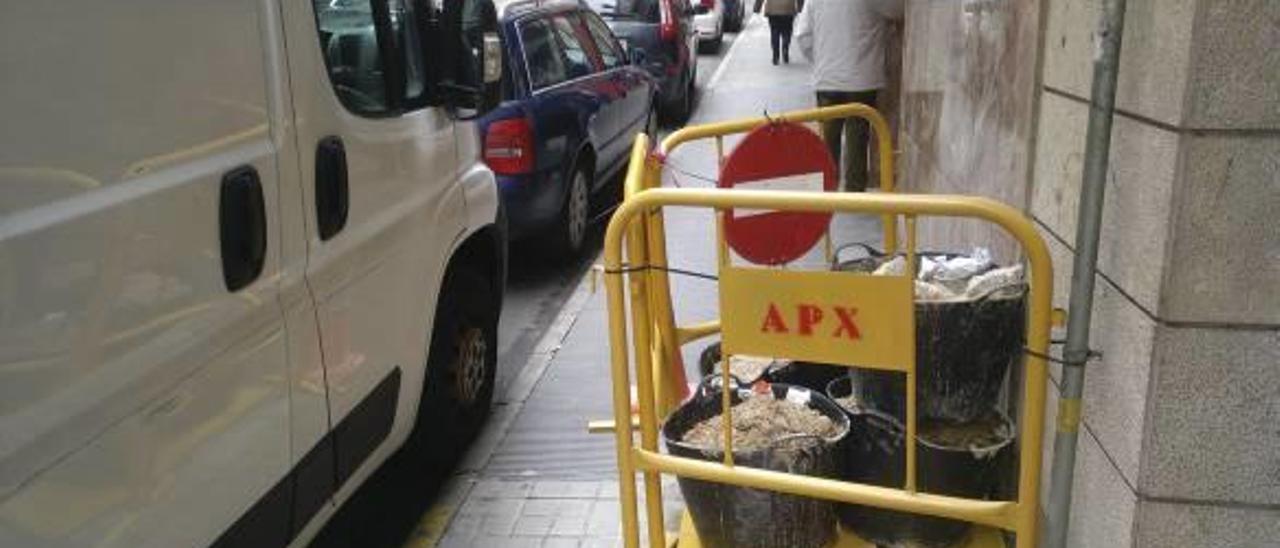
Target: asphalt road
{"x": 384, "y": 512}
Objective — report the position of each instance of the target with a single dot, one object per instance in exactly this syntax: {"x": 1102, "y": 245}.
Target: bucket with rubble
{"x": 775, "y": 427}
{"x": 970, "y": 326}
{"x": 955, "y": 459}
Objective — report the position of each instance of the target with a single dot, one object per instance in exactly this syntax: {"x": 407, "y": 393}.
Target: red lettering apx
{"x": 809, "y": 316}
{"x": 773, "y": 321}
{"x": 848, "y": 327}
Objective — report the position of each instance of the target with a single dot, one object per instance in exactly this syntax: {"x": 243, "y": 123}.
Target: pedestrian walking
{"x": 846, "y": 41}
{"x": 782, "y": 17}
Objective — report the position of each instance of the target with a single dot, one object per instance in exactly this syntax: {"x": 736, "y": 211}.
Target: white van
{"x": 245, "y": 245}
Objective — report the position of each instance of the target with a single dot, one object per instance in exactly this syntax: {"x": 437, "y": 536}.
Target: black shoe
{"x": 786, "y": 58}
{"x": 775, "y": 59}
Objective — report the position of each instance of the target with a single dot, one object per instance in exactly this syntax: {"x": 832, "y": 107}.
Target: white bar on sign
{"x": 804, "y": 182}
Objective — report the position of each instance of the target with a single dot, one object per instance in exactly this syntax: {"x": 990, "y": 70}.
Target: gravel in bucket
{"x": 759, "y": 423}
{"x": 985, "y": 431}
{"x": 776, "y": 427}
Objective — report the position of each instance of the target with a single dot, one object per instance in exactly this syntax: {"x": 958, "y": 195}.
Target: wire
{"x": 1092, "y": 354}
{"x": 687, "y": 173}
{"x": 627, "y": 269}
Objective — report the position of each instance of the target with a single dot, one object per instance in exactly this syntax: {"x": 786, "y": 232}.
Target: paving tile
{"x": 564, "y": 489}
{"x": 491, "y": 507}
{"x": 604, "y": 520}
{"x": 608, "y": 490}
{"x": 493, "y": 488}
{"x": 507, "y": 542}
{"x": 464, "y": 528}
{"x": 569, "y": 527}
{"x": 560, "y": 543}
{"x": 557, "y": 508}
{"x": 499, "y": 525}
{"x": 529, "y": 526}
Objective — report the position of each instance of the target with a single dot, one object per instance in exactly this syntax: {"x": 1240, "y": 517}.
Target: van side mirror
{"x": 471, "y": 83}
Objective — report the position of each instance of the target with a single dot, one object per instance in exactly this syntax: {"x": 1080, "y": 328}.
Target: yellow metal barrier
{"x": 638, "y": 224}
{"x": 666, "y": 337}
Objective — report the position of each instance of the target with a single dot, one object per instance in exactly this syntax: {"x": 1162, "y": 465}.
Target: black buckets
{"x": 730, "y": 516}
{"x": 946, "y": 464}
{"x": 963, "y": 351}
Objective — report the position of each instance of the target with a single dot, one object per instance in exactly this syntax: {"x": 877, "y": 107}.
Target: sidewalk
{"x": 537, "y": 478}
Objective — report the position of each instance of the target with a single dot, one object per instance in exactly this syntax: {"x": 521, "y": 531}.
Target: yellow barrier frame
{"x": 649, "y": 247}
{"x": 638, "y": 223}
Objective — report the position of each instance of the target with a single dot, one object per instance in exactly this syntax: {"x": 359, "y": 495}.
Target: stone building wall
{"x": 1180, "y": 445}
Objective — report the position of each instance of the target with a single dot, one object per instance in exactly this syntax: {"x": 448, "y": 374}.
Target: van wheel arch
{"x": 455, "y": 396}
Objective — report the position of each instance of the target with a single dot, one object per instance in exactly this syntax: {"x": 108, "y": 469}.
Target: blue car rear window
{"x": 542, "y": 54}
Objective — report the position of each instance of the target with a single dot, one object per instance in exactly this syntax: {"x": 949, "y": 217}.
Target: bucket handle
{"x": 871, "y": 252}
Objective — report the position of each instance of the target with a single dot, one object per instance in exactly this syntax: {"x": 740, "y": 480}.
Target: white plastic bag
{"x": 985, "y": 283}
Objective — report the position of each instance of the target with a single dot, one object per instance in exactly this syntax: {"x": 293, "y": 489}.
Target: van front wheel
{"x": 461, "y": 366}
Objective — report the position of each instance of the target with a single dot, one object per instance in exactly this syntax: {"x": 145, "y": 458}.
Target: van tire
{"x": 461, "y": 365}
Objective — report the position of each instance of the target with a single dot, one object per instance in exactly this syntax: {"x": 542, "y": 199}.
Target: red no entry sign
{"x": 783, "y": 156}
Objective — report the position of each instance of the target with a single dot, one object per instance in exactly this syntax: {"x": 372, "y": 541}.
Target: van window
{"x": 408, "y": 38}
{"x": 576, "y": 43}
{"x": 354, "y": 51}
{"x": 610, "y": 52}
{"x": 349, "y": 41}
{"x": 642, "y": 10}
{"x": 542, "y": 55}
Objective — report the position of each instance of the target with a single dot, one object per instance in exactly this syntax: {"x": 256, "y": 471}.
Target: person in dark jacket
{"x": 782, "y": 17}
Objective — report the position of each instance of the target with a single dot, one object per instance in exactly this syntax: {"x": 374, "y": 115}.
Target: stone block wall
{"x": 1181, "y": 437}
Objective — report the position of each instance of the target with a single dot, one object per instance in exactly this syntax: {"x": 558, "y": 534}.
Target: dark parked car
{"x": 572, "y": 106}
{"x": 735, "y": 14}
{"x": 661, "y": 36}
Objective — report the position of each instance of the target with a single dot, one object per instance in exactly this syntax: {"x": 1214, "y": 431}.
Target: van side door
{"x": 379, "y": 172}
{"x": 143, "y": 400}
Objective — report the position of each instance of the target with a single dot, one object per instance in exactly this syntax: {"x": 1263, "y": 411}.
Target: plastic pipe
{"x": 1097, "y": 152}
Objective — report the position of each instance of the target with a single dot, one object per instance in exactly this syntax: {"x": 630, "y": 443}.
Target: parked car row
{"x": 583, "y": 77}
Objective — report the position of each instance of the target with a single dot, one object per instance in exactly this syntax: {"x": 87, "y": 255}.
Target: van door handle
{"x": 333, "y": 199}
{"x": 242, "y": 220}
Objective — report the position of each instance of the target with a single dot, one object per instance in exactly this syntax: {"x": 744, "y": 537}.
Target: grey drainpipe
{"x": 1106, "y": 66}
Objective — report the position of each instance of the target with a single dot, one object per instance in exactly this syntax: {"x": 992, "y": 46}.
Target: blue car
{"x": 572, "y": 106}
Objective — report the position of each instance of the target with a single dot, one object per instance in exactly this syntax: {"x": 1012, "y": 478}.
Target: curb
{"x": 433, "y": 524}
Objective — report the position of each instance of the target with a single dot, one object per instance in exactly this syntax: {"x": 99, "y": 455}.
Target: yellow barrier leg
{"x": 642, "y": 331}
{"x": 911, "y": 370}
{"x": 621, "y": 401}
{"x": 618, "y": 356}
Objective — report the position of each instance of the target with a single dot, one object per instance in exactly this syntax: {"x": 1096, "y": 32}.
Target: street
{"x": 333, "y": 274}
{"x": 536, "y": 477}
{"x": 386, "y": 510}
